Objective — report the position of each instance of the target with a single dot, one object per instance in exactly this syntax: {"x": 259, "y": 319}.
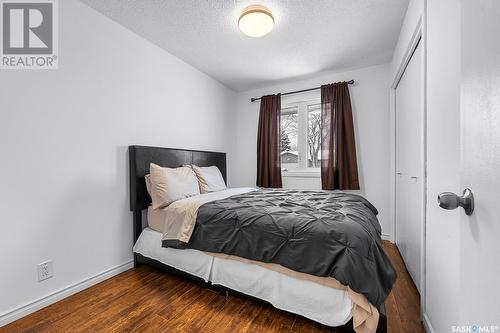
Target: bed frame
{"x": 139, "y": 159}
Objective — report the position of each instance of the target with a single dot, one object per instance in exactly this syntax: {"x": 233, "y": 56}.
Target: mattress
{"x": 326, "y": 305}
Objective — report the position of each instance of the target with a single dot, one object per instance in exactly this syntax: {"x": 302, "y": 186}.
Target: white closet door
{"x": 409, "y": 196}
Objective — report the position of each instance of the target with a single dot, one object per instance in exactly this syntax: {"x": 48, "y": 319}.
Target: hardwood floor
{"x": 146, "y": 300}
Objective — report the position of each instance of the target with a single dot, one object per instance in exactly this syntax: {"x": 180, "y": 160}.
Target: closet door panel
{"x": 409, "y": 198}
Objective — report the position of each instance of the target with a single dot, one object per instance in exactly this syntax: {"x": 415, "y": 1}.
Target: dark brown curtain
{"x": 268, "y": 142}
{"x": 339, "y": 168}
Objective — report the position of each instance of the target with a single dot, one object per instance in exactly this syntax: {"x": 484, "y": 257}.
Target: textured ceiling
{"x": 310, "y": 36}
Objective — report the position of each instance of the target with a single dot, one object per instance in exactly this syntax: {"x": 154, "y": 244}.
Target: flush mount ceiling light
{"x": 256, "y": 21}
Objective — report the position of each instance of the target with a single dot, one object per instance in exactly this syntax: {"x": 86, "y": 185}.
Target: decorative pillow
{"x": 147, "y": 178}
{"x": 171, "y": 184}
{"x": 210, "y": 179}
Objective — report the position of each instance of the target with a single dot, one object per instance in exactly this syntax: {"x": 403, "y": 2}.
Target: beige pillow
{"x": 171, "y": 184}
{"x": 210, "y": 179}
{"x": 147, "y": 178}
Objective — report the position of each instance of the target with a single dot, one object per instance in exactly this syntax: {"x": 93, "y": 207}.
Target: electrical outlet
{"x": 45, "y": 270}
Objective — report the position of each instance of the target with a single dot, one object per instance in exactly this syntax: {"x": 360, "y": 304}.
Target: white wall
{"x": 370, "y": 100}
{"x": 64, "y": 134}
{"x": 411, "y": 30}
{"x": 413, "y": 15}
{"x": 443, "y": 299}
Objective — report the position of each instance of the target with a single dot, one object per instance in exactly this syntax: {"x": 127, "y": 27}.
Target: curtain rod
{"x": 253, "y": 99}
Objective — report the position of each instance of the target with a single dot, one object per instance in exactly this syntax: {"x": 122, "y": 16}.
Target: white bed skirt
{"x": 323, "y": 304}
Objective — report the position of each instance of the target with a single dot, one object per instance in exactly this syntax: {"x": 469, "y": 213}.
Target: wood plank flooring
{"x": 146, "y": 300}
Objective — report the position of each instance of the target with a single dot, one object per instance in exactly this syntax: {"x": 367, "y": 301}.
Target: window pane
{"x": 289, "y": 135}
{"x": 314, "y": 136}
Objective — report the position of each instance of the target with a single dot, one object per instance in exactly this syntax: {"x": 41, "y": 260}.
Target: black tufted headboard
{"x": 141, "y": 156}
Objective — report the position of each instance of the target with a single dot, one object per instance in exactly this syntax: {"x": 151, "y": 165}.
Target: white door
{"x": 409, "y": 198}
{"x": 480, "y": 124}
{"x": 463, "y": 150}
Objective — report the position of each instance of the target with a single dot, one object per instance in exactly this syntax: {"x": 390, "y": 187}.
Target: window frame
{"x": 302, "y": 103}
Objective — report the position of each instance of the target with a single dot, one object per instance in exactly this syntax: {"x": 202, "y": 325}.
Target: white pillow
{"x": 171, "y": 184}
{"x": 210, "y": 179}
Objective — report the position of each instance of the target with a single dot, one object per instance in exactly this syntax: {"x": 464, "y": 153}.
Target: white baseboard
{"x": 427, "y": 324}
{"x": 386, "y": 237}
{"x": 30, "y": 307}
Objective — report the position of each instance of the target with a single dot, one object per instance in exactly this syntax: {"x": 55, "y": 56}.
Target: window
{"x": 289, "y": 137}
{"x": 314, "y": 135}
{"x": 301, "y": 138}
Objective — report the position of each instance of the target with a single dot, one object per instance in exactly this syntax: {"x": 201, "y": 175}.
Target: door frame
{"x": 418, "y": 37}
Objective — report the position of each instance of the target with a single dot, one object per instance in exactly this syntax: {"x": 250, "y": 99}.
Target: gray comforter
{"x": 316, "y": 232}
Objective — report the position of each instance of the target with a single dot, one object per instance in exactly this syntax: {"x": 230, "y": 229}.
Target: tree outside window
{"x": 314, "y": 135}
{"x": 300, "y": 136}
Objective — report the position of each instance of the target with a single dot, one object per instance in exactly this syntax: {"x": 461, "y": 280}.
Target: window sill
{"x": 301, "y": 174}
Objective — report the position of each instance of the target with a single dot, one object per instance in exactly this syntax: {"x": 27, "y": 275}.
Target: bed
{"x": 316, "y": 298}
